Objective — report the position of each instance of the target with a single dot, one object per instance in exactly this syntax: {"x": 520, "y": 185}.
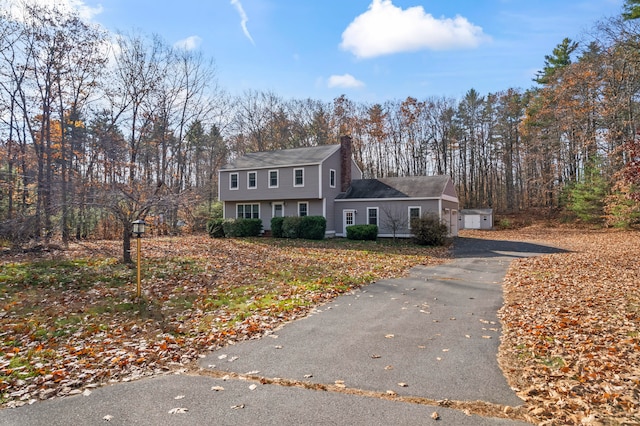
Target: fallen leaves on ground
{"x": 70, "y": 324}
{"x": 571, "y": 320}
{"x": 571, "y": 335}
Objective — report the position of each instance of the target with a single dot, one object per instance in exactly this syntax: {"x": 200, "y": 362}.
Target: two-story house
{"x": 325, "y": 181}
{"x": 290, "y": 182}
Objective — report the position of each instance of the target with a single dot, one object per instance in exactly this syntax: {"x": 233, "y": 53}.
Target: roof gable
{"x": 283, "y": 158}
{"x": 397, "y": 187}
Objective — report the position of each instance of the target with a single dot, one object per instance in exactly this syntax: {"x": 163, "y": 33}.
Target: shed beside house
{"x": 475, "y": 219}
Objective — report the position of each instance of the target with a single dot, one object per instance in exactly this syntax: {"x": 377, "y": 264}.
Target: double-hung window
{"x": 273, "y": 178}
{"x": 233, "y": 181}
{"x": 414, "y": 213}
{"x": 298, "y": 177}
{"x": 248, "y": 211}
{"x": 252, "y": 180}
{"x": 303, "y": 209}
{"x": 372, "y": 216}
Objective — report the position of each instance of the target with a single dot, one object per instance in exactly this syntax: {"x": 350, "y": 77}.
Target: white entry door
{"x": 348, "y": 219}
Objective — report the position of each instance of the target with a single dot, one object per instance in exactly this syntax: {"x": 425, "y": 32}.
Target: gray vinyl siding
{"x": 397, "y": 209}
{"x": 317, "y": 190}
{"x": 330, "y": 194}
{"x": 450, "y": 190}
{"x": 285, "y": 190}
{"x": 290, "y": 208}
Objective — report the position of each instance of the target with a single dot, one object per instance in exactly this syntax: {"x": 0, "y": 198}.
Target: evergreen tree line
{"x": 97, "y": 130}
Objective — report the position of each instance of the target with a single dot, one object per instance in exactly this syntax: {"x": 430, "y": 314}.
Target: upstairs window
{"x": 298, "y": 177}
{"x": 252, "y": 180}
{"x": 332, "y": 178}
{"x": 273, "y": 178}
{"x": 233, "y": 181}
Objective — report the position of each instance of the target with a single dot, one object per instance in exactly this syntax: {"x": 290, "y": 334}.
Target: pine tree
{"x": 631, "y": 9}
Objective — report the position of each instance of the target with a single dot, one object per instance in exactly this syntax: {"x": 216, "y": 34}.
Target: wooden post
{"x": 138, "y": 288}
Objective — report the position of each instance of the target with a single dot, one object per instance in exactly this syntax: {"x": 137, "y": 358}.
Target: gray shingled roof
{"x": 476, "y": 211}
{"x": 283, "y": 158}
{"x": 398, "y": 187}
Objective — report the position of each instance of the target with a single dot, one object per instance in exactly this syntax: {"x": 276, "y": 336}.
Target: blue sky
{"x": 369, "y": 50}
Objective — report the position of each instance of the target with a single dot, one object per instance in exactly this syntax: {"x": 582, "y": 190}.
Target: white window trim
{"x": 249, "y": 180}
{"x": 334, "y": 175}
{"x": 277, "y": 172}
{"x": 294, "y": 177}
{"x": 301, "y": 203}
{"x": 409, "y": 213}
{"x": 377, "y": 215}
{"x": 237, "y": 181}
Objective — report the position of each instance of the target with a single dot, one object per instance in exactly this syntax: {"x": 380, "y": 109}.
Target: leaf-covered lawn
{"x": 69, "y": 320}
{"x": 571, "y": 335}
{"x": 571, "y": 320}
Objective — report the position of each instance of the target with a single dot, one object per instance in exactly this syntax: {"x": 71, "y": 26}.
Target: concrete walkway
{"x": 382, "y": 355}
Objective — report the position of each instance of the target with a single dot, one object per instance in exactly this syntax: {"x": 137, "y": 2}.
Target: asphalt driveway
{"x": 428, "y": 337}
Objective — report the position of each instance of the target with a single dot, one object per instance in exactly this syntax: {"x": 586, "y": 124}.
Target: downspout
{"x": 320, "y": 181}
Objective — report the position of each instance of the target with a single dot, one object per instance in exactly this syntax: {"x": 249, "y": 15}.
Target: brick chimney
{"x": 345, "y": 162}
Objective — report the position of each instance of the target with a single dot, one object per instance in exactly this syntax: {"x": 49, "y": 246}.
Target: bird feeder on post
{"x": 138, "y": 230}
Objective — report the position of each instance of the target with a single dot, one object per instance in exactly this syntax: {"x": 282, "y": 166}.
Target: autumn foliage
{"x": 631, "y": 171}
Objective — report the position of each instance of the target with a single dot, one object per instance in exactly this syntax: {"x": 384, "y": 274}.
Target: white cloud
{"x": 344, "y": 81}
{"x": 243, "y": 19}
{"x": 189, "y": 43}
{"x": 87, "y": 13}
{"x": 386, "y": 29}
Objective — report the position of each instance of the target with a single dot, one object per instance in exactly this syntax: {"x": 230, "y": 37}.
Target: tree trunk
{"x": 126, "y": 242}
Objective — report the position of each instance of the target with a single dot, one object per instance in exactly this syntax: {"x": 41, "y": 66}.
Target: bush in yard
{"x": 242, "y": 227}
{"x": 504, "y": 224}
{"x": 313, "y": 227}
{"x": 276, "y": 227}
{"x": 362, "y": 232}
{"x": 203, "y": 214}
{"x": 215, "y": 228}
{"x": 429, "y": 230}
{"x": 18, "y": 231}
{"x": 291, "y": 227}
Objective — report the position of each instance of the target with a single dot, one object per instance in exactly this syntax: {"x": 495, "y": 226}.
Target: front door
{"x": 348, "y": 219}
{"x": 278, "y": 210}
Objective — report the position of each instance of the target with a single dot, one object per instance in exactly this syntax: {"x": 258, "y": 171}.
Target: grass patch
{"x": 554, "y": 362}
{"x": 76, "y": 273}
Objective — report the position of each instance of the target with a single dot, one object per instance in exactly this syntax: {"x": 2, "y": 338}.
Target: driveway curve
{"x": 393, "y": 352}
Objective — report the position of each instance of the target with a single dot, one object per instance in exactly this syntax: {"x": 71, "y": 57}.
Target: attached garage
{"x": 391, "y": 203}
{"x": 475, "y": 219}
